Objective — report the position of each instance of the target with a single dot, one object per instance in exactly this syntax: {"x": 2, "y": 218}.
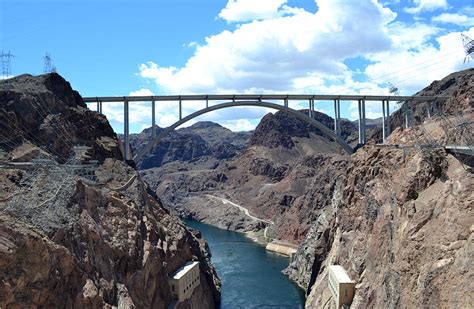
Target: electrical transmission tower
{"x": 48, "y": 64}
{"x": 468, "y": 44}
{"x": 393, "y": 90}
{"x": 6, "y": 64}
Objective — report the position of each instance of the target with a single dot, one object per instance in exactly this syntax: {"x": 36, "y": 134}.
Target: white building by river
{"x": 184, "y": 281}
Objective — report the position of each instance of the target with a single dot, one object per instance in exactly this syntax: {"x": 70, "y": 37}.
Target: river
{"x": 251, "y": 276}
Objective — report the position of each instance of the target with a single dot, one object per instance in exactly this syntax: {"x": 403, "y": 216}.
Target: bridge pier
{"x": 180, "y": 109}
{"x": 153, "y": 120}
{"x": 125, "y": 131}
{"x": 385, "y": 120}
{"x": 99, "y": 107}
{"x": 406, "y": 111}
{"x": 285, "y": 102}
{"x": 337, "y": 117}
{"x": 364, "y": 131}
{"x": 389, "y": 129}
{"x": 207, "y": 101}
{"x": 362, "y": 122}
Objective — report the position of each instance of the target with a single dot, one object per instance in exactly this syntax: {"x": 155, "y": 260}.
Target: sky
{"x": 178, "y": 47}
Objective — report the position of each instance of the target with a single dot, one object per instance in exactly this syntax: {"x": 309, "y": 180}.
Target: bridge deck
{"x": 231, "y": 97}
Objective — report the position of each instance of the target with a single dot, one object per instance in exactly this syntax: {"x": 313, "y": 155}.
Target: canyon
{"x": 398, "y": 219}
{"x": 102, "y": 243}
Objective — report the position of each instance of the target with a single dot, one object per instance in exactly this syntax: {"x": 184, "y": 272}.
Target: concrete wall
{"x": 281, "y": 249}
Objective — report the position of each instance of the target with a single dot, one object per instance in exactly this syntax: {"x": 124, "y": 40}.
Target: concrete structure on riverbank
{"x": 282, "y": 248}
{"x": 341, "y": 286}
{"x": 184, "y": 281}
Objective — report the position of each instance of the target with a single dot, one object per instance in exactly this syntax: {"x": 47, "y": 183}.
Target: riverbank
{"x": 260, "y": 236}
{"x": 251, "y": 276}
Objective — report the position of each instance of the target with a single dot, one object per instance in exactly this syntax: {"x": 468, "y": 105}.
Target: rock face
{"x": 204, "y": 140}
{"x": 67, "y": 241}
{"x": 400, "y": 222}
{"x": 401, "y": 227}
{"x": 278, "y": 129}
{"x": 46, "y": 111}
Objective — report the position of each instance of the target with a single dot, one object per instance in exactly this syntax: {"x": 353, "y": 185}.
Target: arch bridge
{"x": 263, "y": 101}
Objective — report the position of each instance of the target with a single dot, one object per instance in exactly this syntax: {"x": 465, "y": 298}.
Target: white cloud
{"x": 426, "y": 5}
{"x": 245, "y": 10}
{"x": 454, "y": 18}
{"x": 239, "y": 125}
{"x": 142, "y": 92}
{"x": 278, "y": 54}
{"x": 414, "y": 68}
{"x": 290, "y": 50}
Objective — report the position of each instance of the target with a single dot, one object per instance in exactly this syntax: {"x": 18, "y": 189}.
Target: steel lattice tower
{"x": 48, "y": 64}
{"x": 468, "y": 44}
{"x": 6, "y": 64}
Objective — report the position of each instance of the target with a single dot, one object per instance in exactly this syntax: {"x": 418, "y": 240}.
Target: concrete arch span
{"x": 282, "y": 108}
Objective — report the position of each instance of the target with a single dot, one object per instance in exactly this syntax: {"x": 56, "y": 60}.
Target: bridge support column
{"x": 364, "y": 131}
{"x": 180, "y": 109}
{"x": 125, "y": 131}
{"x": 388, "y": 130}
{"x": 337, "y": 116}
{"x": 309, "y": 109}
{"x": 406, "y": 111}
{"x": 99, "y": 107}
{"x": 285, "y": 102}
{"x": 384, "y": 120}
{"x": 361, "y": 106}
{"x": 207, "y": 102}
{"x": 153, "y": 120}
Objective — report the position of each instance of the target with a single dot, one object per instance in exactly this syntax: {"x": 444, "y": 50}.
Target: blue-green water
{"x": 251, "y": 276}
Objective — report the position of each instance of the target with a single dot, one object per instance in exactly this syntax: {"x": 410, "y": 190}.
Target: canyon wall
{"x": 67, "y": 240}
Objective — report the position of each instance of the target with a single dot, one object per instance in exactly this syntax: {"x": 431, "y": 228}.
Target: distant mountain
{"x": 278, "y": 129}
{"x": 199, "y": 141}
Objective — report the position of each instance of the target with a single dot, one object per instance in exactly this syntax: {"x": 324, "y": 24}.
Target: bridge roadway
{"x": 259, "y": 100}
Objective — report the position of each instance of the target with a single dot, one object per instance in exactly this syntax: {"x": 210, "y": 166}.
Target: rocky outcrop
{"x": 401, "y": 227}
{"x": 281, "y": 128}
{"x": 47, "y": 113}
{"x": 67, "y": 240}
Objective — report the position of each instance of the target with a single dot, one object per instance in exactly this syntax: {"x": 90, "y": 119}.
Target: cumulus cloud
{"x": 276, "y": 55}
{"x": 426, "y": 62}
{"x": 277, "y": 49}
{"x": 454, "y": 18}
{"x": 245, "y": 10}
{"x": 426, "y": 5}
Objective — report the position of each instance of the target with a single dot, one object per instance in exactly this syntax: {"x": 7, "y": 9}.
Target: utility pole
{"x": 6, "y": 64}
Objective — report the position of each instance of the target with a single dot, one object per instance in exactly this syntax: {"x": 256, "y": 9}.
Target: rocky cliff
{"x": 399, "y": 221}
{"x": 75, "y": 237}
